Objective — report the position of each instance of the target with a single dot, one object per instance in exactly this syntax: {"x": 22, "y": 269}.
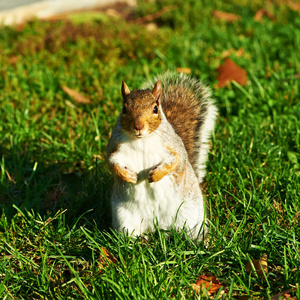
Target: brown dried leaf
{"x": 106, "y": 256}
{"x": 229, "y": 17}
{"x": 230, "y": 71}
{"x": 76, "y": 96}
{"x": 211, "y": 284}
{"x": 13, "y": 59}
{"x": 288, "y": 296}
{"x": 184, "y": 70}
{"x": 260, "y": 266}
{"x": 294, "y": 5}
{"x": 263, "y": 12}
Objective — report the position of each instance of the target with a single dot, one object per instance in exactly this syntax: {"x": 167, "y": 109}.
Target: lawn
{"x": 60, "y": 97}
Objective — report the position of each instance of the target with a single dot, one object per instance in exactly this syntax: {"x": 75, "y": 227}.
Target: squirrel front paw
{"x": 129, "y": 176}
{"x": 156, "y": 174}
{"x": 125, "y": 174}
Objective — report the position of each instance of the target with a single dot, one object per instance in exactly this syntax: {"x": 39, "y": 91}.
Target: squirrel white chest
{"x": 137, "y": 205}
{"x": 142, "y": 154}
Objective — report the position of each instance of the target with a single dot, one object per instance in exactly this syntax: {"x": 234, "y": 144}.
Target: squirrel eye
{"x": 124, "y": 109}
{"x": 155, "y": 109}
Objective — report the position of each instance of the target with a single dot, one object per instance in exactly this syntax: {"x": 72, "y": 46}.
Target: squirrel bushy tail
{"x": 188, "y": 106}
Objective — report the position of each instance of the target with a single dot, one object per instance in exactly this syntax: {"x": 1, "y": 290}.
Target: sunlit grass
{"x": 55, "y": 185}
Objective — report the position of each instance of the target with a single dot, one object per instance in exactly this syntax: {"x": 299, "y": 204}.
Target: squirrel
{"x": 157, "y": 152}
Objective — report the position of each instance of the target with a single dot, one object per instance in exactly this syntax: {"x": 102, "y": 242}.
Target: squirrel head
{"x": 141, "y": 114}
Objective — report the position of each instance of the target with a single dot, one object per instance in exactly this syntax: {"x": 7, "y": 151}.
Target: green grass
{"x": 55, "y": 185}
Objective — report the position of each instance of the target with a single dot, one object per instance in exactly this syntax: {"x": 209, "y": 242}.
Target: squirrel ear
{"x": 157, "y": 90}
{"x": 125, "y": 90}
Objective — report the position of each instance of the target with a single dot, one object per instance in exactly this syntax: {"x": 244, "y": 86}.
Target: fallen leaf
{"x": 263, "y": 12}
{"x": 260, "y": 266}
{"x": 184, "y": 70}
{"x": 105, "y": 257}
{"x": 229, "y": 17}
{"x": 288, "y": 296}
{"x": 76, "y": 96}
{"x": 230, "y": 71}
{"x": 294, "y": 5}
{"x": 211, "y": 284}
{"x": 13, "y": 59}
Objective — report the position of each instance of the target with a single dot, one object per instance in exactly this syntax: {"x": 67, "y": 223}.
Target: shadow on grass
{"x": 46, "y": 189}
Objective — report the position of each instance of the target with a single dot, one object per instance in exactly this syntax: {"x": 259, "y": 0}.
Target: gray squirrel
{"x": 157, "y": 152}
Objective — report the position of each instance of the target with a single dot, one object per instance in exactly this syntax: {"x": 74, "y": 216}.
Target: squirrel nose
{"x": 138, "y": 126}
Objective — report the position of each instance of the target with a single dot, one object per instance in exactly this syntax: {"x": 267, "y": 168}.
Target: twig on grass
{"x": 154, "y": 16}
